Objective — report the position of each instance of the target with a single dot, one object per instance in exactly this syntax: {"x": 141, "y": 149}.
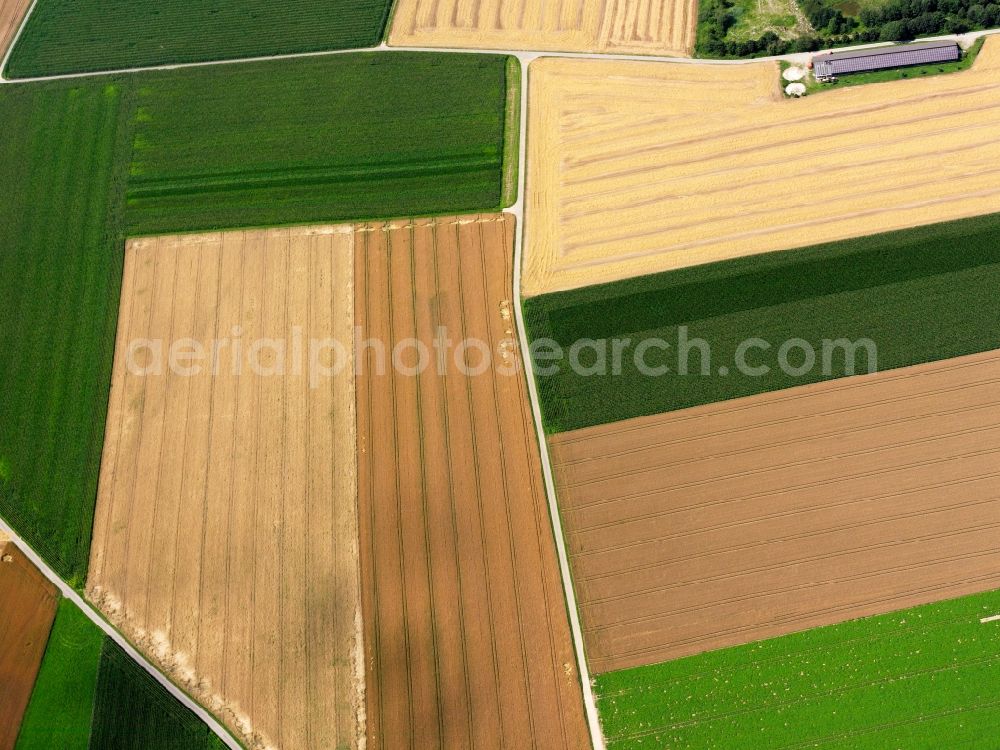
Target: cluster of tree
{"x": 897, "y": 20}
{"x": 826, "y": 20}
{"x": 716, "y": 18}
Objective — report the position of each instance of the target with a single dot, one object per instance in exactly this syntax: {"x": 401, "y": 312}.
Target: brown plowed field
{"x": 643, "y": 27}
{"x": 466, "y": 634}
{"x": 636, "y": 168}
{"x": 11, "y": 15}
{"x": 225, "y": 538}
{"x": 733, "y": 522}
{"x": 27, "y": 606}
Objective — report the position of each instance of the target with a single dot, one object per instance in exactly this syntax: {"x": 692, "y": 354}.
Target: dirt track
{"x": 11, "y": 14}
{"x": 225, "y": 539}
{"x": 729, "y": 523}
{"x": 635, "y": 168}
{"x": 660, "y": 27}
{"x": 467, "y": 637}
{"x": 27, "y": 606}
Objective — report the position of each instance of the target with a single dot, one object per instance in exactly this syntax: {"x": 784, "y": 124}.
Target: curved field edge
{"x": 910, "y": 292}
{"x": 65, "y": 37}
{"x": 75, "y": 149}
{"x": 917, "y": 677}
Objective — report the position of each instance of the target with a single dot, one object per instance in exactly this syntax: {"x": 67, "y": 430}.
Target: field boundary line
{"x": 525, "y": 56}
{"x": 572, "y": 607}
{"x": 14, "y": 40}
{"x": 94, "y": 616}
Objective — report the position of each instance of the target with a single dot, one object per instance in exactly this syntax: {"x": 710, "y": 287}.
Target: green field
{"x": 84, "y": 164}
{"x": 366, "y": 135}
{"x": 60, "y": 277}
{"x": 62, "y": 703}
{"x": 920, "y": 679}
{"x": 920, "y": 295}
{"x": 70, "y": 36}
{"x": 132, "y": 711}
{"x": 90, "y": 694}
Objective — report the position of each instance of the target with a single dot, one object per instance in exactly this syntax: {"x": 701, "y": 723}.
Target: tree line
{"x": 896, "y": 20}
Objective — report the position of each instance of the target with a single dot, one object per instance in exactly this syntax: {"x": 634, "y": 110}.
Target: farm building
{"x": 880, "y": 58}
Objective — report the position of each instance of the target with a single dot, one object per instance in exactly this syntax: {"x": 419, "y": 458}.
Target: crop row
{"x": 919, "y": 677}
{"x": 66, "y": 36}
{"x": 919, "y": 295}
{"x": 351, "y": 137}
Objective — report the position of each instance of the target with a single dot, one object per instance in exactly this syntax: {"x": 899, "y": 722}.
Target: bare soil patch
{"x": 730, "y": 523}
{"x": 225, "y": 538}
{"x": 28, "y": 605}
{"x": 467, "y": 641}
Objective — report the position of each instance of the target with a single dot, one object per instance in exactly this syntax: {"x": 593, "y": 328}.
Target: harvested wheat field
{"x": 752, "y": 518}
{"x": 467, "y": 641}
{"x": 643, "y": 27}
{"x": 11, "y": 15}
{"x": 28, "y": 605}
{"x": 225, "y": 539}
{"x": 636, "y": 168}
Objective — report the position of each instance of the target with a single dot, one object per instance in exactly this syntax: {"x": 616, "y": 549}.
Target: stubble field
{"x": 467, "y": 638}
{"x": 28, "y": 602}
{"x": 744, "y": 520}
{"x": 660, "y": 27}
{"x": 636, "y": 168}
{"x": 225, "y": 540}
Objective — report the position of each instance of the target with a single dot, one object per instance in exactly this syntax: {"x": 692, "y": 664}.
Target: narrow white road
{"x": 590, "y": 704}
{"x": 525, "y": 57}
{"x": 117, "y": 637}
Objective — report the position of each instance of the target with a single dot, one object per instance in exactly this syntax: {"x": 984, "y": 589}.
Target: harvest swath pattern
{"x": 225, "y": 542}
{"x": 66, "y": 36}
{"x": 740, "y": 521}
{"x": 467, "y": 639}
{"x": 28, "y": 603}
{"x": 637, "y": 168}
{"x": 277, "y": 143}
{"x": 662, "y": 27}
{"x": 922, "y": 677}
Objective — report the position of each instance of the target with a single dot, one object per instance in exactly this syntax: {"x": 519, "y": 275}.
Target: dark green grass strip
{"x": 70, "y": 36}
{"x": 62, "y": 264}
{"x": 921, "y": 295}
{"x": 919, "y": 678}
{"x": 353, "y": 137}
{"x": 358, "y": 136}
{"x": 132, "y": 711}
{"x": 62, "y": 702}
{"x": 512, "y": 133}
